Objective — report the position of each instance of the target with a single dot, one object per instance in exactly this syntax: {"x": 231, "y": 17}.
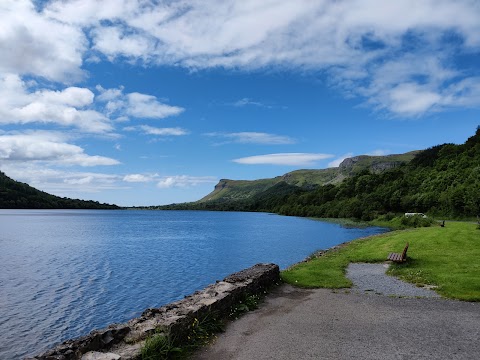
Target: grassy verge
{"x": 444, "y": 257}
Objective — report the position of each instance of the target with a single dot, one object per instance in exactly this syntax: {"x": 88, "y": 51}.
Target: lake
{"x": 67, "y": 272}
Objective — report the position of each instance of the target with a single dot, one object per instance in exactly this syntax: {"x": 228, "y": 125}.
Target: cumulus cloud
{"x": 291, "y": 159}
{"x": 24, "y": 103}
{"x": 354, "y": 40}
{"x": 147, "y": 106}
{"x": 135, "y": 104}
{"x": 253, "y": 138}
{"x": 396, "y": 55}
{"x": 19, "y": 104}
{"x": 47, "y": 147}
{"x": 33, "y": 44}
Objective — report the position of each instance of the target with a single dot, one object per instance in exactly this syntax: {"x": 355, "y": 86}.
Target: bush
{"x": 416, "y": 221}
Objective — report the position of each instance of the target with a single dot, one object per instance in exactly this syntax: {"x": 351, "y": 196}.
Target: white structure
{"x": 416, "y": 214}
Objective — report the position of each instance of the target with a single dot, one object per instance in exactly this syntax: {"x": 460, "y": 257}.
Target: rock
{"x": 124, "y": 341}
{"x": 95, "y": 355}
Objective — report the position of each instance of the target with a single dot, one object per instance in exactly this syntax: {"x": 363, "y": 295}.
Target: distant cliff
{"x": 243, "y": 189}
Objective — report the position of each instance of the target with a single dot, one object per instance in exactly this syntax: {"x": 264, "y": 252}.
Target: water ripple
{"x": 65, "y": 273}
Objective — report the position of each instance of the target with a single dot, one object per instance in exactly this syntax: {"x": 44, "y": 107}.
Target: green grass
{"x": 448, "y": 258}
{"x": 160, "y": 346}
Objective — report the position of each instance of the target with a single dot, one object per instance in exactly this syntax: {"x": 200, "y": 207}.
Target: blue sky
{"x": 142, "y": 102}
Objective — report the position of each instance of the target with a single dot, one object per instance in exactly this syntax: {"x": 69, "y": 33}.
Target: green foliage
{"x": 445, "y": 257}
{"x": 249, "y": 303}
{"x": 17, "y": 195}
{"x": 160, "y": 346}
{"x": 203, "y": 329}
{"x": 416, "y": 221}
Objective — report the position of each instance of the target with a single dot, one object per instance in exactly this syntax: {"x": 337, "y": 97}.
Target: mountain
{"x": 228, "y": 190}
{"x": 17, "y": 195}
{"x": 443, "y": 181}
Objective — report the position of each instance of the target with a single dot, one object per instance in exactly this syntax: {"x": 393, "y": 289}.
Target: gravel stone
{"x": 371, "y": 278}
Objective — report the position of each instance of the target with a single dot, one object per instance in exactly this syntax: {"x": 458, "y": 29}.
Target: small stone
{"x": 95, "y": 355}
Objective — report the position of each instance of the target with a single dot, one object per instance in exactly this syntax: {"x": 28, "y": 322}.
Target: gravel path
{"x": 371, "y": 278}
{"x": 302, "y": 324}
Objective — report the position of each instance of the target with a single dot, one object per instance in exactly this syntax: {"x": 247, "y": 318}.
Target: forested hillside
{"x": 17, "y": 195}
{"x": 442, "y": 181}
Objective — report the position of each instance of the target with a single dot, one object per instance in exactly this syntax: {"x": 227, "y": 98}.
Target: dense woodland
{"x": 442, "y": 181}
{"x": 17, "y": 195}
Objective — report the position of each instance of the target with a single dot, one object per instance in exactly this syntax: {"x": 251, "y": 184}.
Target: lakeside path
{"x": 296, "y": 323}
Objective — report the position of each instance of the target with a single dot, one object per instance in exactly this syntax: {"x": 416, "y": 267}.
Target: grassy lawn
{"x": 448, "y": 258}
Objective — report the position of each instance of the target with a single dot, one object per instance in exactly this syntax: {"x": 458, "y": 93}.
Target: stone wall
{"x": 124, "y": 341}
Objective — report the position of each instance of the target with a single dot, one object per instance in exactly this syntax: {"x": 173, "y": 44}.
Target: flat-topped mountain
{"x": 243, "y": 189}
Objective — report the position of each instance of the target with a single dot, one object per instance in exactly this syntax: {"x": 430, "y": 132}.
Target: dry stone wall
{"x": 124, "y": 341}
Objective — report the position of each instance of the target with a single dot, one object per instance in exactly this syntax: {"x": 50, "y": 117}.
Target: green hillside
{"x": 442, "y": 181}
{"x": 17, "y": 195}
{"x": 237, "y": 190}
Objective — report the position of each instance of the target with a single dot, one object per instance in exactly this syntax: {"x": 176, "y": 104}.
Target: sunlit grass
{"x": 448, "y": 258}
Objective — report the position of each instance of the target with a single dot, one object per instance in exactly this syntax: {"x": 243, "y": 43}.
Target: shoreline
{"x": 175, "y": 320}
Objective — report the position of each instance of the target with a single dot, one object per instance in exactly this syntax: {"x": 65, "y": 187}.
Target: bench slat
{"x": 396, "y": 257}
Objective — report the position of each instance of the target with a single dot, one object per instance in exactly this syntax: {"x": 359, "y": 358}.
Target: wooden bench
{"x": 396, "y": 257}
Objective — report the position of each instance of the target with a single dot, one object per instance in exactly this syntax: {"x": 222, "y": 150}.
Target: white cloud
{"x": 378, "y": 152}
{"x": 337, "y": 162}
{"x": 135, "y": 104}
{"x": 68, "y": 107}
{"x": 114, "y": 42}
{"x": 22, "y": 103}
{"x": 253, "y": 138}
{"x": 163, "y": 131}
{"x": 61, "y": 182}
{"x": 47, "y": 147}
{"x": 185, "y": 181}
{"x": 397, "y": 55}
{"x": 356, "y": 41}
{"x": 147, "y": 106}
{"x": 150, "y": 130}
{"x": 137, "y": 178}
{"x": 78, "y": 183}
{"x": 31, "y": 43}
{"x": 165, "y": 182}
{"x": 246, "y": 101}
{"x": 292, "y": 159}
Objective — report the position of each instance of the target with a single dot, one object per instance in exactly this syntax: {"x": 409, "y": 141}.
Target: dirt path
{"x": 321, "y": 324}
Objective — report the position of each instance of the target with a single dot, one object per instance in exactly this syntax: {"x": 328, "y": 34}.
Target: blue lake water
{"x": 66, "y": 272}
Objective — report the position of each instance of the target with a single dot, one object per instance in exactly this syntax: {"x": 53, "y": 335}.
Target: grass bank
{"x": 447, "y": 258}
